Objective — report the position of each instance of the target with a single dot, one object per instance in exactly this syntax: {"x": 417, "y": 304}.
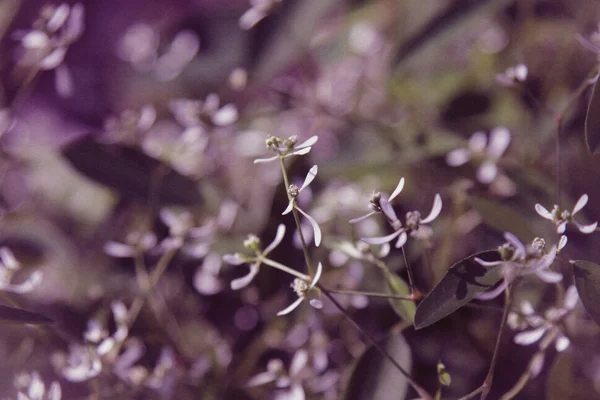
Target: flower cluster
{"x": 290, "y": 381}
{"x": 519, "y": 260}
{"x": 304, "y": 290}
{"x": 30, "y": 386}
{"x": 287, "y": 147}
{"x": 562, "y": 217}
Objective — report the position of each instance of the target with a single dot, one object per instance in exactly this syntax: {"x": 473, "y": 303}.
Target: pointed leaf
{"x": 17, "y": 315}
{"x": 375, "y": 378}
{"x": 458, "y": 287}
{"x": 404, "y": 308}
{"x": 592, "y": 122}
{"x": 131, "y": 172}
{"x": 502, "y": 217}
{"x": 587, "y": 281}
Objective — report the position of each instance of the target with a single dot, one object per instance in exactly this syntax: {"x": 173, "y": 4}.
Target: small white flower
{"x": 294, "y": 191}
{"x": 377, "y": 203}
{"x": 290, "y": 380}
{"x": 31, "y": 387}
{"x": 518, "y": 260}
{"x": 286, "y": 148}
{"x": 486, "y": 154}
{"x": 305, "y": 289}
{"x": 562, "y": 217}
{"x": 191, "y": 112}
{"x": 136, "y": 243}
{"x": 8, "y": 267}
{"x": 253, "y": 244}
{"x": 513, "y": 75}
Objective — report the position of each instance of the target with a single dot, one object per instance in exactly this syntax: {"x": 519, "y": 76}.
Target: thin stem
{"x": 420, "y": 391}
{"x": 285, "y": 268}
{"x": 411, "y": 281}
{"x": 286, "y": 181}
{"x": 370, "y": 294}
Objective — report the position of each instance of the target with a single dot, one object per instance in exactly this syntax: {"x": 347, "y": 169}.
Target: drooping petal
{"x": 383, "y": 239}
{"x": 562, "y": 242}
{"x": 314, "y": 225}
{"x": 245, "y": 280}
{"x": 278, "y": 238}
{"x": 355, "y": 220}
{"x": 290, "y": 206}
{"x": 265, "y": 160}
{"x": 571, "y": 298}
{"x": 487, "y": 263}
{"x": 388, "y": 210}
{"x": 591, "y": 228}
{"x": 8, "y": 259}
{"x": 308, "y": 143}
{"x": 538, "y": 364}
{"x": 541, "y": 210}
{"x": 560, "y": 228}
{"x": 435, "y": 210}
{"x": 562, "y": 343}
{"x": 487, "y": 172}
{"x": 529, "y": 337}
{"x": 401, "y": 240}
{"x": 312, "y": 173}
{"x": 398, "y": 189}
{"x": 499, "y": 141}
{"x": 492, "y": 294}
{"x": 580, "y": 204}
{"x": 291, "y": 307}
{"x": 517, "y": 244}
{"x": 299, "y": 152}
{"x": 298, "y": 362}
{"x": 458, "y": 157}
{"x": 317, "y": 276}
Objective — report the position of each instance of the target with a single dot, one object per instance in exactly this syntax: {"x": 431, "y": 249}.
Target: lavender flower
{"x": 31, "y": 387}
{"x": 562, "y": 217}
{"x": 290, "y": 380}
{"x": 377, "y": 203}
{"x": 288, "y": 147}
{"x": 479, "y": 150}
{"x": 294, "y": 191}
{"x": 518, "y": 260}
{"x": 304, "y": 290}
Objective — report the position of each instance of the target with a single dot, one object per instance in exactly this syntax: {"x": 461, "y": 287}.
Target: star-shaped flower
{"x": 294, "y": 191}
{"x": 304, "y": 290}
{"x": 562, "y": 217}
{"x": 288, "y": 147}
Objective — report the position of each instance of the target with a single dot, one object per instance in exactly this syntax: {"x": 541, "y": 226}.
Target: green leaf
{"x": 592, "y": 122}
{"x": 458, "y": 287}
{"x": 17, "y": 315}
{"x": 375, "y": 378}
{"x": 502, "y": 217}
{"x": 131, "y": 172}
{"x": 587, "y": 280}
{"x": 404, "y": 308}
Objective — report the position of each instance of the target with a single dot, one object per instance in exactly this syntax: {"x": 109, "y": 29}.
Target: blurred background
{"x": 126, "y": 126}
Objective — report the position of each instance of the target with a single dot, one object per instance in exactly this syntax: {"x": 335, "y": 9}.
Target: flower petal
{"x": 291, "y": 307}
{"x": 487, "y": 263}
{"x": 315, "y": 226}
{"x": 382, "y": 239}
{"x": 116, "y": 249}
{"x": 562, "y": 343}
{"x": 571, "y": 298}
{"x": 226, "y": 115}
{"x": 312, "y": 173}
{"x": 517, "y": 244}
{"x": 307, "y": 143}
{"x": 401, "y": 240}
{"x": 499, "y": 141}
{"x": 317, "y": 276}
{"x": 435, "y": 210}
{"x": 388, "y": 210}
{"x": 261, "y": 379}
{"x": 477, "y": 142}
{"x": 541, "y": 210}
{"x": 560, "y": 228}
{"x": 278, "y": 238}
{"x": 27, "y": 286}
{"x": 234, "y": 259}
{"x": 299, "y": 152}
{"x": 355, "y": 220}
{"x": 591, "y": 228}
{"x": 580, "y": 204}
{"x": 265, "y": 160}
{"x": 289, "y": 207}
{"x": 529, "y": 337}
{"x": 562, "y": 242}
{"x": 458, "y": 157}
{"x": 298, "y": 362}
{"x": 492, "y": 294}
{"x": 487, "y": 172}
{"x": 398, "y": 189}
{"x": 245, "y": 280}
{"x": 316, "y": 303}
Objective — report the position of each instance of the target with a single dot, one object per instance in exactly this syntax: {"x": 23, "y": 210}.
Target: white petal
{"x": 314, "y": 225}
{"x": 226, "y": 115}
{"x": 528, "y": 337}
{"x": 487, "y": 172}
{"x": 401, "y": 240}
{"x": 487, "y": 263}
{"x": 355, "y": 220}
{"x": 435, "y": 210}
{"x": 261, "y": 379}
{"x": 541, "y": 210}
{"x": 560, "y": 228}
{"x": 289, "y": 207}
{"x": 492, "y": 294}
{"x": 527, "y": 308}
{"x": 53, "y": 59}
{"x": 517, "y": 244}
{"x": 591, "y": 228}
{"x": 562, "y": 343}
{"x": 27, "y": 286}
{"x": 105, "y": 346}
{"x": 296, "y": 392}
{"x": 383, "y": 239}
{"x": 35, "y": 40}
{"x": 298, "y": 362}
{"x": 234, "y": 259}
{"x": 316, "y": 303}
{"x": 562, "y": 242}
{"x": 388, "y": 210}
{"x": 521, "y": 72}
{"x": 291, "y": 307}
{"x": 206, "y": 283}
{"x": 244, "y": 281}
{"x": 312, "y": 173}
{"x": 538, "y": 364}
{"x": 477, "y": 142}
{"x": 8, "y": 259}
{"x": 317, "y": 276}
{"x": 75, "y": 24}
{"x": 499, "y": 141}
{"x": 265, "y": 160}
{"x": 58, "y": 18}
{"x": 398, "y": 189}
{"x": 571, "y": 298}
{"x": 308, "y": 143}
{"x": 299, "y": 152}
{"x": 580, "y": 204}
{"x": 545, "y": 262}
{"x": 549, "y": 276}
{"x": 54, "y": 391}
{"x": 251, "y": 18}
{"x": 278, "y": 238}
{"x": 116, "y": 249}
{"x": 458, "y": 157}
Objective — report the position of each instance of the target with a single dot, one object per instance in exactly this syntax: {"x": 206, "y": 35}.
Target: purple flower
{"x": 304, "y": 290}
{"x": 562, "y": 217}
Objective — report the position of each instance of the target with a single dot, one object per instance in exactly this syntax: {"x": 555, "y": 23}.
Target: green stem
{"x": 411, "y": 281}
{"x": 285, "y": 268}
